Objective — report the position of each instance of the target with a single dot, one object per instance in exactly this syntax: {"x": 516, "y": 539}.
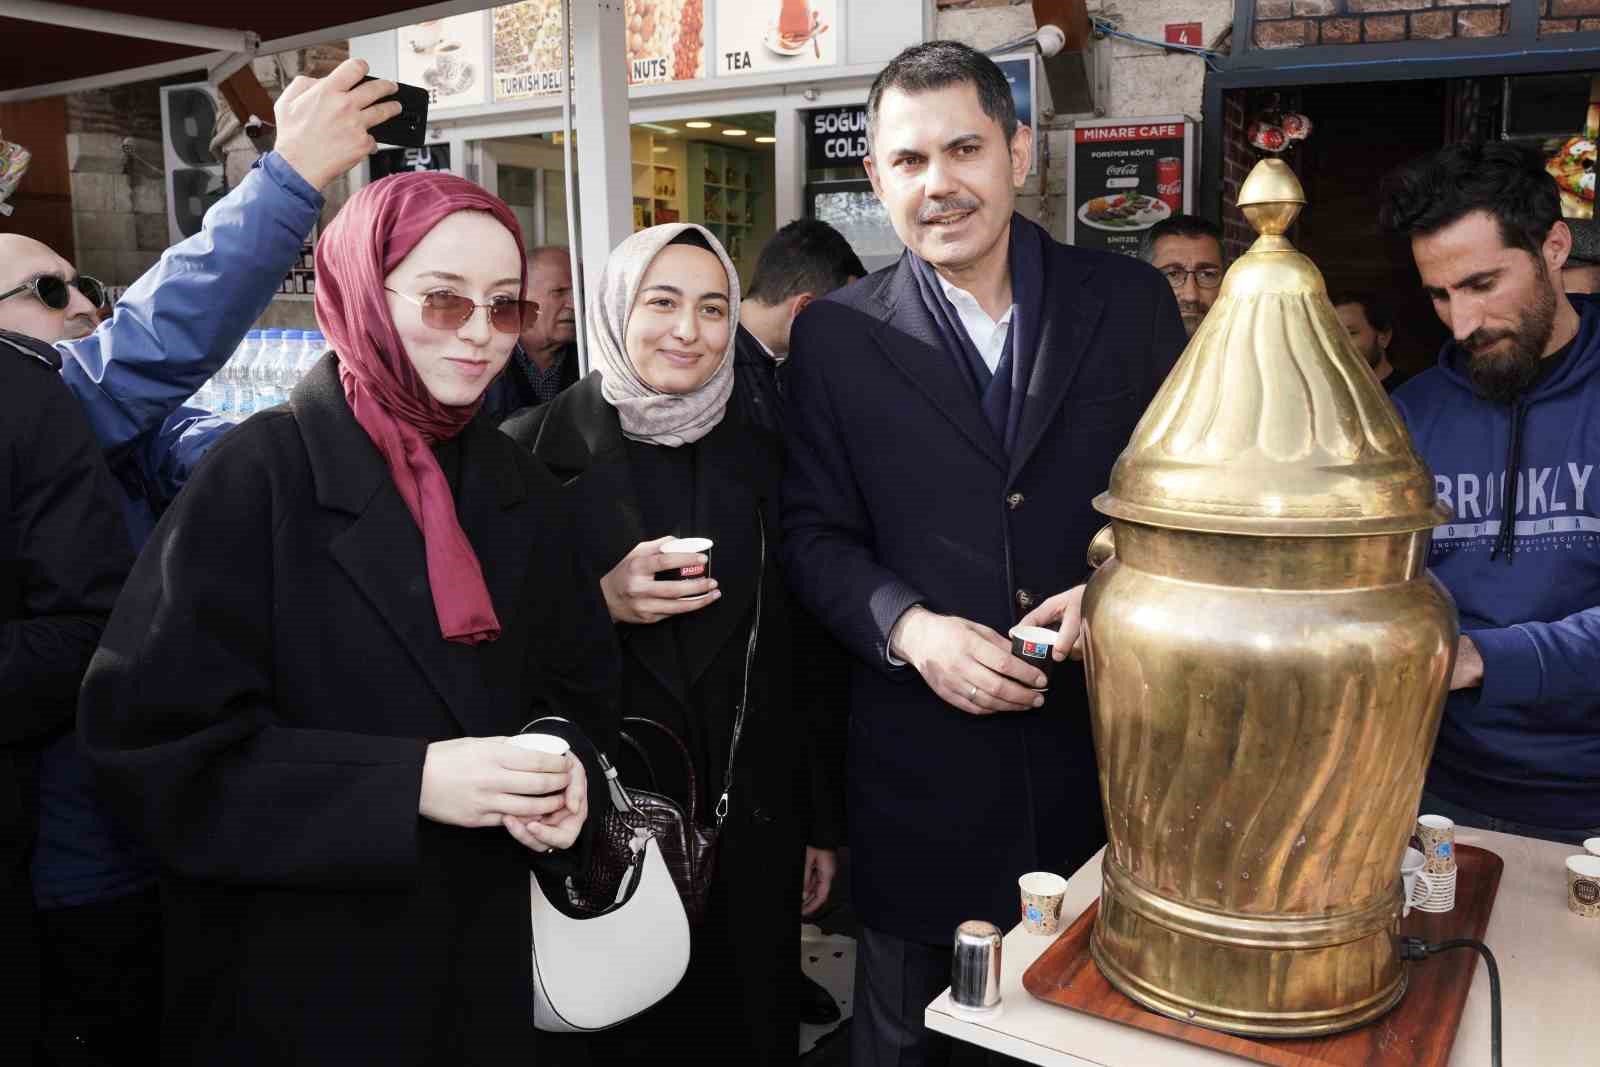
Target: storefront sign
{"x": 387, "y": 161}
{"x": 448, "y": 57}
{"x": 529, "y": 49}
{"x": 665, "y": 40}
{"x": 1125, "y": 176}
{"x": 761, "y": 35}
{"x": 836, "y": 137}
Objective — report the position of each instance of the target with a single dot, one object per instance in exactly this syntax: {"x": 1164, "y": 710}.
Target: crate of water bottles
{"x": 261, "y": 372}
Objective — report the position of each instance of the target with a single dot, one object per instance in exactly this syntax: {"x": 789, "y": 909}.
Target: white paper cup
{"x": 1042, "y": 893}
{"x": 1583, "y": 885}
{"x": 1592, "y": 846}
{"x": 550, "y": 743}
{"x": 1442, "y": 897}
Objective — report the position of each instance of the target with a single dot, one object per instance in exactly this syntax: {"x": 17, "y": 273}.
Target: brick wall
{"x": 1300, "y": 23}
{"x": 1568, "y": 16}
{"x": 1237, "y": 159}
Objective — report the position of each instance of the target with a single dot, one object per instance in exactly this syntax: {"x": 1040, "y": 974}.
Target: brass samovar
{"x": 1267, "y": 660}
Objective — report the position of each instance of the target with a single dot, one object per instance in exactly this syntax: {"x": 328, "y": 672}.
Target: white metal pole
{"x": 580, "y": 290}
{"x": 142, "y": 26}
{"x": 600, "y": 57}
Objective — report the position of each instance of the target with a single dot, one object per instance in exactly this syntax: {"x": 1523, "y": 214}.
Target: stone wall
{"x": 1144, "y": 80}
{"x": 119, "y": 202}
{"x": 1300, "y": 23}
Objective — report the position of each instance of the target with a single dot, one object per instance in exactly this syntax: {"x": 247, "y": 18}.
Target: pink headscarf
{"x": 372, "y": 233}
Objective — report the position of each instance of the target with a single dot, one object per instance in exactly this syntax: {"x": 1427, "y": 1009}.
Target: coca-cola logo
{"x": 1169, "y": 188}
{"x": 1122, "y": 168}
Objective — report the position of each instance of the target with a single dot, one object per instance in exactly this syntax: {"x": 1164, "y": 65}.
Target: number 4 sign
{"x": 1184, "y": 33}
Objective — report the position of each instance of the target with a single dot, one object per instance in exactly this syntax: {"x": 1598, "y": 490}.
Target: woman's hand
{"x": 822, "y": 864}
{"x": 480, "y": 781}
{"x": 560, "y": 828}
{"x": 633, "y": 594}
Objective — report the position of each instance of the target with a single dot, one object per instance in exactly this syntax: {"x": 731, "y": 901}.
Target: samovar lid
{"x": 1272, "y": 424}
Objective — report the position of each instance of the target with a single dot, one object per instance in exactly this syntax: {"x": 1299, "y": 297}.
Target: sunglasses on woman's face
{"x": 450, "y": 311}
{"x": 55, "y": 292}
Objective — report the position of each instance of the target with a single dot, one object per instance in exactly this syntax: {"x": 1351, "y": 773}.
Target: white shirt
{"x": 987, "y": 335}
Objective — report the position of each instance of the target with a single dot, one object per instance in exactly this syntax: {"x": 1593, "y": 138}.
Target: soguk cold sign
{"x": 836, "y": 137}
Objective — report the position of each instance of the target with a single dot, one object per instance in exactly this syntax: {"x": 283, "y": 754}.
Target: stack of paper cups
{"x": 1436, "y": 836}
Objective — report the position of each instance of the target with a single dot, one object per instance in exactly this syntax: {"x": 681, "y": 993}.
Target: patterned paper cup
{"x": 1033, "y": 645}
{"x": 1042, "y": 893}
{"x": 687, "y": 546}
{"x": 1438, "y": 837}
{"x": 1583, "y": 885}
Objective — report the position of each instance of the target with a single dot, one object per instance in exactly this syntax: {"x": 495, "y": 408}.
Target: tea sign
{"x": 765, "y": 35}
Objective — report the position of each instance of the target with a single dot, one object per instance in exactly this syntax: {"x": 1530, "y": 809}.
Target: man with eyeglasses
{"x": 98, "y": 912}
{"x": 1187, "y": 250}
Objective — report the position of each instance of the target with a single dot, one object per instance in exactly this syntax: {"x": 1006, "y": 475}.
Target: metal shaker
{"x": 975, "y": 966}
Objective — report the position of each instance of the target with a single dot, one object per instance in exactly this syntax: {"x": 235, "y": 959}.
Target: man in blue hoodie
{"x": 98, "y": 912}
{"x": 1509, "y": 422}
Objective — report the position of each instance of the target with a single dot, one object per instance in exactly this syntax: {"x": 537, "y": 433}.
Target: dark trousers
{"x": 100, "y": 983}
{"x": 895, "y": 981}
{"x": 1461, "y": 815}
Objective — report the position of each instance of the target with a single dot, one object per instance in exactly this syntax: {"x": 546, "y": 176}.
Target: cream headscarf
{"x": 647, "y": 414}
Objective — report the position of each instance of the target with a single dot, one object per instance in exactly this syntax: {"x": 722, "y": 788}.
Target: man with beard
{"x": 545, "y": 360}
{"x": 1187, "y": 250}
{"x": 1371, "y": 327}
{"x": 1505, "y": 420}
{"x": 950, "y": 419}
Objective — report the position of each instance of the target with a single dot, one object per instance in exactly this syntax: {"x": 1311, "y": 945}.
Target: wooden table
{"x": 1549, "y": 973}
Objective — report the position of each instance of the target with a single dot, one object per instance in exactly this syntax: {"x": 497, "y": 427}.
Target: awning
{"x": 64, "y": 46}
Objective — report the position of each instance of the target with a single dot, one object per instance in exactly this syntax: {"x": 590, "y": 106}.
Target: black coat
{"x": 511, "y": 392}
{"x": 899, "y": 492}
{"x": 261, "y": 708}
{"x": 63, "y": 554}
{"x": 744, "y": 955}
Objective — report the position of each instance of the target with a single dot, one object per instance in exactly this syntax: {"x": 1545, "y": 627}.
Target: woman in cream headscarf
{"x": 651, "y": 451}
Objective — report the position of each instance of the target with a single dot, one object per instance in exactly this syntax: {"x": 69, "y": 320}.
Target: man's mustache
{"x": 1480, "y": 339}
{"x": 955, "y": 205}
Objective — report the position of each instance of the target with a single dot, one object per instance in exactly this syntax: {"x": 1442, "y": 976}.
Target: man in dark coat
{"x": 951, "y": 418}
{"x": 63, "y": 554}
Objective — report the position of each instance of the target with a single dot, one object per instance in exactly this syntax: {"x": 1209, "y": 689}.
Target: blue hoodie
{"x": 1526, "y": 745}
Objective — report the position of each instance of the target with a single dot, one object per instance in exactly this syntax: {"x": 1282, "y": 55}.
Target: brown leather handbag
{"x": 688, "y": 847}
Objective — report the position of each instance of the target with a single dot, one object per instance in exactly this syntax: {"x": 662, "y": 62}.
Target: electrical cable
{"x": 1102, "y": 26}
{"x": 1416, "y": 948}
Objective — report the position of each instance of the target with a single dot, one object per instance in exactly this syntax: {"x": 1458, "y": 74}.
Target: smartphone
{"x": 409, "y": 129}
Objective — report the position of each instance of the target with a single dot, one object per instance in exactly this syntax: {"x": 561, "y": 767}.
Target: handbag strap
{"x": 683, "y": 750}
{"x": 721, "y": 810}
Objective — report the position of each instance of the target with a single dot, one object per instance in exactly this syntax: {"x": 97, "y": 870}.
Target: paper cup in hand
{"x": 1438, "y": 837}
{"x": 555, "y": 746}
{"x": 1042, "y": 893}
{"x": 1033, "y": 646}
{"x": 1583, "y": 885}
{"x": 688, "y": 546}
{"x": 1413, "y": 878}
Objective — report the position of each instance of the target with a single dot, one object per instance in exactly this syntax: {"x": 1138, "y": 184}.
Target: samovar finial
{"x": 1271, "y": 198}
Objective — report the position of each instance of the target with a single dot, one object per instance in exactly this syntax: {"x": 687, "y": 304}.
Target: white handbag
{"x": 593, "y": 972}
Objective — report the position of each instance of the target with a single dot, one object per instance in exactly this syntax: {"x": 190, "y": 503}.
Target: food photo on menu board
{"x": 666, "y": 40}
{"x": 761, "y": 35}
{"x": 446, "y": 57}
{"x": 528, "y": 49}
{"x": 1124, "y": 177}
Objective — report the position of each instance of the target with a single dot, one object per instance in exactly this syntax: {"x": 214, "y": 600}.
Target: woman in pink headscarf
{"x": 303, "y": 697}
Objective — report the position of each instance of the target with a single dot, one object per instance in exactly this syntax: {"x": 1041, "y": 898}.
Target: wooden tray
{"x": 1417, "y": 1033}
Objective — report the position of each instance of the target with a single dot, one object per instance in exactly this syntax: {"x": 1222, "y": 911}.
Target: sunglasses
{"x": 55, "y": 292}
{"x": 448, "y": 311}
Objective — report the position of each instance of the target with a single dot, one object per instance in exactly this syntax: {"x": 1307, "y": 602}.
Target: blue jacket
{"x": 169, "y": 333}
{"x": 1526, "y": 745}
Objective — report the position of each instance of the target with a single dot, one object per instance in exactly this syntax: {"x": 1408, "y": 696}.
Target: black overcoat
{"x": 748, "y": 947}
{"x": 63, "y": 554}
{"x": 261, "y": 706}
{"x": 897, "y": 491}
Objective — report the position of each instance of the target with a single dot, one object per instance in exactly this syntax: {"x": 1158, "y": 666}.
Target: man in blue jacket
{"x": 1509, "y": 421}
{"x": 98, "y": 911}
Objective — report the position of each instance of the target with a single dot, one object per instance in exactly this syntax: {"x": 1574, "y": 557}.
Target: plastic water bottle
{"x": 226, "y": 398}
{"x": 247, "y": 402}
{"x": 279, "y": 370}
{"x": 311, "y": 350}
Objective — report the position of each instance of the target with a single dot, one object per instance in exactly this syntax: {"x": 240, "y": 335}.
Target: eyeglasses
{"x": 1204, "y": 277}
{"x": 449, "y": 311}
{"x": 55, "y": 292}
